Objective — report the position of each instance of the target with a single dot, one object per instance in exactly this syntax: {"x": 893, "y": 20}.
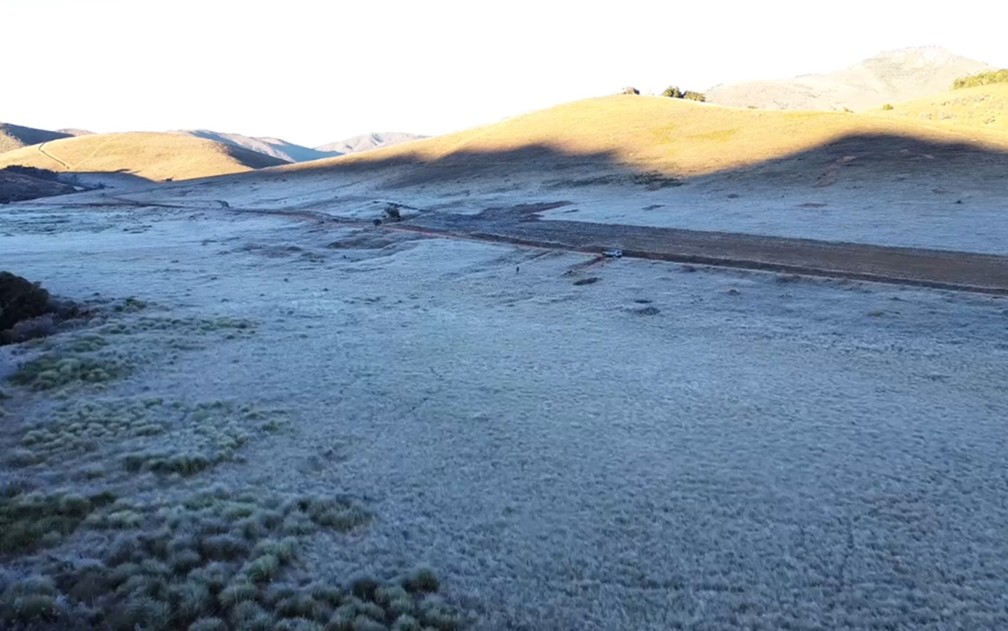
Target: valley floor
{"x": 568, "y": 443}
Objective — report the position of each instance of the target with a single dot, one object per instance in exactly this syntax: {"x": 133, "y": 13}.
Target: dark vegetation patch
{"x": 31, "y": 520}
{"x": 35, "y": 172}
{"x": 28, "y": 311}
{"x": 591, "y": 280}
{"x": 17, "y": 186}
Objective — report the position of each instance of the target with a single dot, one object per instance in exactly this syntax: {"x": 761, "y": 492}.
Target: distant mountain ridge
{"x": 366, "y": 142}
{"x": 889, "y": 77}
{"x": 291, "y": 152}
{"x": 275, "y": 147}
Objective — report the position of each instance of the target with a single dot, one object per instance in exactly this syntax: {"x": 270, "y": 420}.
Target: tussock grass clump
{"x": 51, "y": 371}
{"x": 199, "y": 565}
{"x": 31, "y": 520}
{"x": 135, "y": 433}
{"x": 84, "y": 427}
{"x": 210, "y": 436}
{"x": 30, "y": 602}
{"x": 190, "y": 325}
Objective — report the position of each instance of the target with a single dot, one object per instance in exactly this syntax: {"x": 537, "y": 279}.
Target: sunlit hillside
{"x": 672, "y": 136}
{"x": 155, "y": 156}
{"x": 982, "y": 107}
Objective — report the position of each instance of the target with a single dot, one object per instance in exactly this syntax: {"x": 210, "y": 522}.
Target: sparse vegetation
{"x": 630, "y": 90}
{"x": 217, "y": 560}
{"x": 984, "y": 78}
{"x": 887, "y": 107}
{"x": 213, "y": 560}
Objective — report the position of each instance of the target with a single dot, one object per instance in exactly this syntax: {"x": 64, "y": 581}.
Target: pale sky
{"x": 313, "y": 72}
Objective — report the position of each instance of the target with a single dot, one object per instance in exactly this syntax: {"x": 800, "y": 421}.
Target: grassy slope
{"x": 155, "y": 156}
{"x": 14, "y": 137}
{"x": 983, "y": 107}
{"x": 676, "y": 137}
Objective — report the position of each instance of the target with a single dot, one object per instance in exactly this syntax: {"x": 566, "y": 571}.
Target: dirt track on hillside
{"x": 962, "y": 271}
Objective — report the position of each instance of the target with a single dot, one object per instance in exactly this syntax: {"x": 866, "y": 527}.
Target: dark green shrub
{"x": 20, "y": 300}
{"x": 674, "y": 92}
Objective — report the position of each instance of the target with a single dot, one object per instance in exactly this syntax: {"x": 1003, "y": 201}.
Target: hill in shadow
{"x": 16, "y": 136}
{"x": 19, "y": 185}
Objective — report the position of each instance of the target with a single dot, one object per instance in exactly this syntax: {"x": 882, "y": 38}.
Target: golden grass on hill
{"x": 155, "y": 156}
{"x": 983, "y": 107}
{"x": 672, "y": 136}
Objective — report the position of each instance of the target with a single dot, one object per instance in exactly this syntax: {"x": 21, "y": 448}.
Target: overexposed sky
{"x": 315, "y": 71}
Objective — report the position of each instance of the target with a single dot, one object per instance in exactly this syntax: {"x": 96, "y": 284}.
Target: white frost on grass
{"x": 898, "y": 216}
{"x": 759, "y": 452}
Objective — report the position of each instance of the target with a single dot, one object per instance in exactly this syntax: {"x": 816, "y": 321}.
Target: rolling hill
{"x": 16, "y": 136}
{"x": 150, "y": 155}
{"x": 890, "y": 77}
{"x": 673, "y": 137}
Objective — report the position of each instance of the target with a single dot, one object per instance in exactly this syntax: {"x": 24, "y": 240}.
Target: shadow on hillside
{"x": 549, "y": 166}
{"x": 27, "y": 183}
{"x": 854, "y": 160}
{"x": 869, "y": 159}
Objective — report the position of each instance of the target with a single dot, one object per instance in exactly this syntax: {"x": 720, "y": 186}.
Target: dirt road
{"x": 963, "y": 271}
